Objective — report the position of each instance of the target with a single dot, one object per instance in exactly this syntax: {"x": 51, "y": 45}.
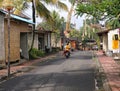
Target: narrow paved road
{"x": 73, "y": 74}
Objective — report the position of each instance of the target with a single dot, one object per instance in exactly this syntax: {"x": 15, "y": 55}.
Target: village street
{"x": 60, "y": 74}
{"x": 34, "y": 34}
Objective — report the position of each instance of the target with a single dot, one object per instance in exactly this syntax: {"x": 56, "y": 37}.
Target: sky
{"x": 78, "y": 21}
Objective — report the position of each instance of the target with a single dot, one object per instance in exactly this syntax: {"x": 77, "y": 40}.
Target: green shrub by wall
{"x": 35, "y": 53}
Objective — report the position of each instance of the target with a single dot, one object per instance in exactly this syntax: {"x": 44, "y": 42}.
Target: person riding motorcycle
{"x": 67, "y": 48}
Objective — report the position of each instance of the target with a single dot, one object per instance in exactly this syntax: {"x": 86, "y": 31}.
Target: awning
{"x": 102, "y": 32}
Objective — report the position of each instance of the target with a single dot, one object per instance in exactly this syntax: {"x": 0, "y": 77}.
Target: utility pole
{"x": 8, "y": 5}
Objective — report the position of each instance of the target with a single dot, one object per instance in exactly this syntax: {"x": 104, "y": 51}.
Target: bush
{"x": 35, "y": 53}
{"x": 40, "y": 53}
{"x": 55, "y": 49}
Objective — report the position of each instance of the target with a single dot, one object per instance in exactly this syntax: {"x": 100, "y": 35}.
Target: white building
{"x": 111, "y": 34}
{"x": 106, "y": 37}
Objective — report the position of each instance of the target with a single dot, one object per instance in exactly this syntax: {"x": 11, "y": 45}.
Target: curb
{"x": 100, "y": 73}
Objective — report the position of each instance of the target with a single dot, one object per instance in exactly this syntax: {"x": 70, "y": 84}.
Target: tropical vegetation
{"x": 35, "y": 53}
{"x": 56, "y": 26}
{"x": 107, "y": 10}
{"x": 39, "y": 7}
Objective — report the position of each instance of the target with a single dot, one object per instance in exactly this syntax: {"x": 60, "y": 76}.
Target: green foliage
{"x": 40, "y": 53}
{"x": 56, "y": 20}
{"x": 84, "y": 41}
{"x": 35, "y": 53}
{"x": 45, "y": 26}
{"x": 89, "y": 33}
{"x": 56, "y": 26}
{"x": 74, "y": 33}
{"x": 113, "y": 23}
{"x": 55, "y": 49}
{"x": 72, "y": 1}
{"x": 100, "y": 9}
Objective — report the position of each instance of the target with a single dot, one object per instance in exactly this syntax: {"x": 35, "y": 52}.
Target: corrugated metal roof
{"x": 22, "y": 19}
{"x": 19, "y": 18}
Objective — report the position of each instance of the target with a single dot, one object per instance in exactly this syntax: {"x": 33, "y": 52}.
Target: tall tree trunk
{"x": 33, "y": 28}
{"x": 69, "y": 19}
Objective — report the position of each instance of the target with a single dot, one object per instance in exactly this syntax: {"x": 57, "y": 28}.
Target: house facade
{"x": 19, "y": 32}
{"x": 44, "y": 40}
{"x": 2, "y": 39}
{"x": 110, "y": 40}
{"x": 104, "y": 39}
{"x": 113, "y": 40}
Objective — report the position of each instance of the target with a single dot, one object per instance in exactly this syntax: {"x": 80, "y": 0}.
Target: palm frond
{"x": 57, "y": 3}
{"x": 63, "y": 6}
{"x": 20, "y": 5}
{"x": 43, "y": 12}
{"x": 72, "y": 1}
{"x": 50, "y": 1}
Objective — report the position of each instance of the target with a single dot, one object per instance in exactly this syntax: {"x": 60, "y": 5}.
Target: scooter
{"x": 67, "y": 54}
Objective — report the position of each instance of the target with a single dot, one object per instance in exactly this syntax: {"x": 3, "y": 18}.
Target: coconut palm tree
{"x": 43, "y": 12}
{"x": 56, "y": 26}
{"x": 39, "y": 7}
{"x": 46, "y": 15}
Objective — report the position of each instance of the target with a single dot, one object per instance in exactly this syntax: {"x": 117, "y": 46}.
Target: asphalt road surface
{"x": 73, "y": 74}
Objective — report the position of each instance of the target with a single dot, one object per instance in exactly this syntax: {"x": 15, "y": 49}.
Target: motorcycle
{"x": 67, "y": 54}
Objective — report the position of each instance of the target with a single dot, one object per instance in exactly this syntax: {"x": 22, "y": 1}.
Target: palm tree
{"x": 40, "y": 7}
{"x": 56, "y": 26}
{"x": 44, "y": 12}
{"x": 89, "y": 29}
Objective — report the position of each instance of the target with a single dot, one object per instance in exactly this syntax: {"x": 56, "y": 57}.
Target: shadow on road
{"x": 73, "y": 80}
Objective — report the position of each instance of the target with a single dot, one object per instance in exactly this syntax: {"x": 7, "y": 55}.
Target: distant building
{"x": 44, "y": 39}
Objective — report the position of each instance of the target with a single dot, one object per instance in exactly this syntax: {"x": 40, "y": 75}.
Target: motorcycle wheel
{"x": 67, "y": 55}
